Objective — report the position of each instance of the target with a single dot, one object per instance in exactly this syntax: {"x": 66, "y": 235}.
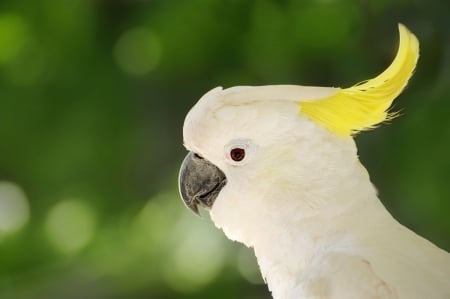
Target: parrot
{"x": 277, "y": 169}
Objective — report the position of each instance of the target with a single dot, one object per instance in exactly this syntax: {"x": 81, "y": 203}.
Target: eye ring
{"x": 237, "y": 154}
{"x": 239, "y": 151}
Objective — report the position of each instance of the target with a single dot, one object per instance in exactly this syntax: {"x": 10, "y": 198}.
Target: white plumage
{"x": 301, "y": 199}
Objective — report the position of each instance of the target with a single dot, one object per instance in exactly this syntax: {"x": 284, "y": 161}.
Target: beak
{"x": 200, "y": 182}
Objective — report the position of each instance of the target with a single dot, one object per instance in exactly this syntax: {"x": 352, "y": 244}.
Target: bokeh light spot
{"x": 13, "y": 36}
{"x": 149, "y": 229}
{"x": 70, "y": 226}
{"x": 199, "y": 256}
{"x": 138, "y": 51}
{"x": 14, "y": 208}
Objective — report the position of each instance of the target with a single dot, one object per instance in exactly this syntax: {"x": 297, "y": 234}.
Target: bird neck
{"x": 294, "y": 241}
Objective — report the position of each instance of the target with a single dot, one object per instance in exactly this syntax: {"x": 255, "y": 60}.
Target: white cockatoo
{"x": 278, "y": 170}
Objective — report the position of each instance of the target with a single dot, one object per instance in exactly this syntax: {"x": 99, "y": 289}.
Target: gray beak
{"x": 200, "y": 182}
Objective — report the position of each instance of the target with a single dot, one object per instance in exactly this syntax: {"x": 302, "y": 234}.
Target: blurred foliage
{"x": 92, "y": 100}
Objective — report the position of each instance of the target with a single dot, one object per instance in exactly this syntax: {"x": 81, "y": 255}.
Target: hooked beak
{"x": 200, "y": 182}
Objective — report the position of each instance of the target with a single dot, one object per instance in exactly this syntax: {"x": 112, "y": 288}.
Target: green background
{"x": 93, "y": 96}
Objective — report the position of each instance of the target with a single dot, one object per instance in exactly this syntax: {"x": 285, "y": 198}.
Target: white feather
{"x": 305, "y": 204}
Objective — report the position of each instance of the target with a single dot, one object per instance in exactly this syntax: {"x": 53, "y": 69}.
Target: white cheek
{"x": 227, "y": 216}
{"x": 234, "y": 212}
{"x": 222, "y": 209}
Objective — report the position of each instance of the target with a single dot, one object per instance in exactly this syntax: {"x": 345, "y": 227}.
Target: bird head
{"x": 263, "y": 155}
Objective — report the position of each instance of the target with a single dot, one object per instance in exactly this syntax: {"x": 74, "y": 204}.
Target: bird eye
{"x": 237, "y": 154}
{"x": 239, "y": 151}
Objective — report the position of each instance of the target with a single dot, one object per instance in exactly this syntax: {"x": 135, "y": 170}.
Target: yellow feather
{"x": 365, "y": 105}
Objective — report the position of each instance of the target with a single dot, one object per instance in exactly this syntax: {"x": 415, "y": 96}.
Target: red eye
{"x": 237, "y": 154}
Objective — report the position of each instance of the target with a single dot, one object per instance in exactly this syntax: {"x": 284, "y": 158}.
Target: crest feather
{"x": 365, "y": 105}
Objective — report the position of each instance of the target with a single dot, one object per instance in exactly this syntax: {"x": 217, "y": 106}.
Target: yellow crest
{"x": 365, "y": 105}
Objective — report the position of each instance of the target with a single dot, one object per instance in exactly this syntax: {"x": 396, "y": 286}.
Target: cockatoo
{"x": 277, "y": 169}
